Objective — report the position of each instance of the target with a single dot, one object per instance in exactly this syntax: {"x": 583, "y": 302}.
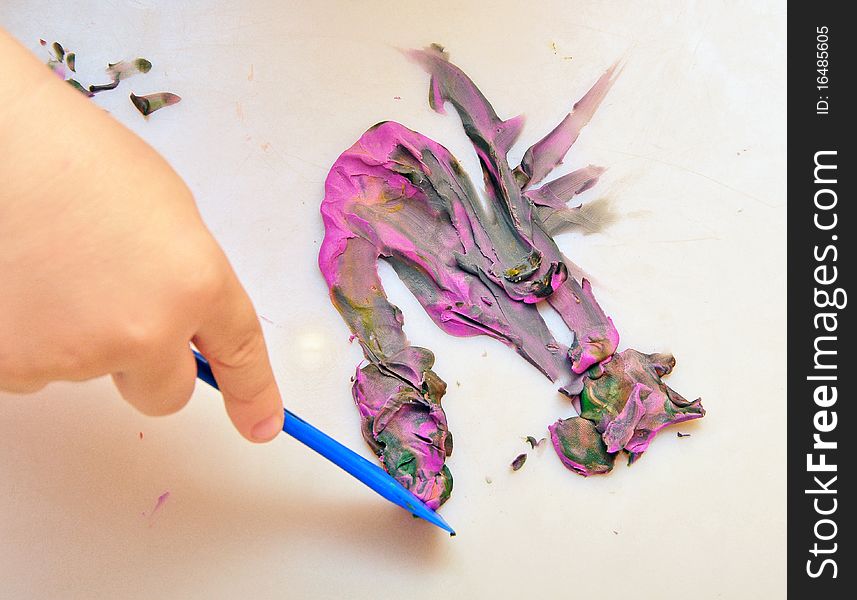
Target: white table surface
{"x": 693, "y": 134}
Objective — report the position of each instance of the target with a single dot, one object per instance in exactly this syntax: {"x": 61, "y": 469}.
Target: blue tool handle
{"x": 203, "y": 370}
{"x": 325, "y": 445}
{"x": 346, "y": 459}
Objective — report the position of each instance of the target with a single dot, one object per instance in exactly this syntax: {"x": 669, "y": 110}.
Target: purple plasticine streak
{"x": 478, "y": 269}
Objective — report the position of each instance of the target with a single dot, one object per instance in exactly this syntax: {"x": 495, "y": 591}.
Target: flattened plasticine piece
{"x": 478, "y": 269}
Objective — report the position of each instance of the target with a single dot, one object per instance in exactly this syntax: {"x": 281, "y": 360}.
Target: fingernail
{"x": 266, "y": 429}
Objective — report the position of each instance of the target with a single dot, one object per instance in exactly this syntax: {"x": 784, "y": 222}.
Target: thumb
{"x": 232, "y": 342}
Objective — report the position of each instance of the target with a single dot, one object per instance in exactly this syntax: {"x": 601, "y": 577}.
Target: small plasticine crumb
{"x": 519, "y": 461}
{"x": 488, "y": 480}
{"x": 533, "y": 442}
{"x": 76, "y": 85}
{"x": 152, "y": 102}
{"x": 103, "y": 88}
{"x": 162, "y": 499}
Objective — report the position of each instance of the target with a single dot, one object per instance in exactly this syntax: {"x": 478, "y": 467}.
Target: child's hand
{"x": 106, "y": 265}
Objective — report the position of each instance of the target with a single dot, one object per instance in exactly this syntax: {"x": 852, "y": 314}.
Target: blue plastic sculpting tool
{"x": 346, "y": 459}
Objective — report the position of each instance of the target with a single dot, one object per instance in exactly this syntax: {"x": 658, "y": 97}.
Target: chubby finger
{"x": 232, "y": 342}
{"x": 161, "y": 383}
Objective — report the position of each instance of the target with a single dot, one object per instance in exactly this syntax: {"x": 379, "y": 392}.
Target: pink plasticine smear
{"x": 162, "y": 499}
{"x": 478, "y": 268}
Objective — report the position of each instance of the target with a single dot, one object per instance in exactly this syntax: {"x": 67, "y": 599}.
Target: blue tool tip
{"x": 424, "y": 512}
{"x": 444, "y": 525}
